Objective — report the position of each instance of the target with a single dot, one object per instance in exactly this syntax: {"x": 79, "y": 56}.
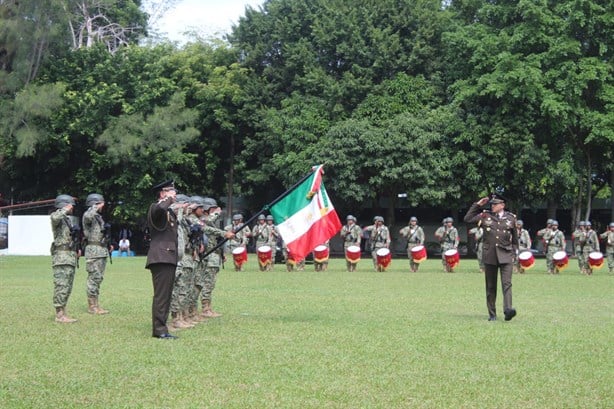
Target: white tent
{"x": 29, "y": 236}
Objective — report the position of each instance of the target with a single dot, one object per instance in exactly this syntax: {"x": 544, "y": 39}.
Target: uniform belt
{"x": 64, "y": 247}
{"x": 95, "y": 243}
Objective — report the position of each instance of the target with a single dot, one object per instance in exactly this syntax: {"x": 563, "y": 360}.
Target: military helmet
{"x": 63, "y": 200}
{"x": 350, "y": 217}
{"x": 237, "y": 217}
{"x": 197, "y": 201}
{"x": 93, "y": 198}
{"x": 209, "y": 203}
{"x": 612, "y": 224}
{"x": 413, "y": 219}
{"x": 554, "y": 223}
{"x": 581, "y": 223}
{"x": 378, "y": 219}
{"x": 587, "y": 223}
{"x": 549, "y": 221}
{"x": 519, "y": 222}
{"x": 449, "y": 220}
{"x": 269, "y": 217}
{"x": 181, "y": 198}
{"x": 261, "y": 217}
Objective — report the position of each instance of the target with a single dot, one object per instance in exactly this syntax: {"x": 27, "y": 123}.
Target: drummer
{"x": 351, "y": 234}
{"x": 554, "y": 240}
{"x": 590, "y": 244}
{"x": 415, "y": 237}
{"x": 449, "y": 239}
{"x": 578, "y": 237}
{"x": 240, "y": 239}
{"x": 379, "y": 237}
{"x": 608, "y": 237}
{"x": 500, "y": 246}
{"x": 524, "y": 244}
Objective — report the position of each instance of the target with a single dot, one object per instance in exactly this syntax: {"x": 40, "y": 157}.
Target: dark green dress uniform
{"x": 499, "y": 248}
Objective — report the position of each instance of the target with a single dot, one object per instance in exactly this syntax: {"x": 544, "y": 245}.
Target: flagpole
{"x": 264, "y": 208}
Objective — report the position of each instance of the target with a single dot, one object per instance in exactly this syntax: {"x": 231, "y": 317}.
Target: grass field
{"x": 312, "y": 340}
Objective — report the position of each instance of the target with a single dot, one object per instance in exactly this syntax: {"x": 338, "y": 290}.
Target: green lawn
{"x": 312, "y": 340}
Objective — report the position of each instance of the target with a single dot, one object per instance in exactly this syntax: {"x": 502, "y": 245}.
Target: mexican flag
{"x": 306, "y": 217}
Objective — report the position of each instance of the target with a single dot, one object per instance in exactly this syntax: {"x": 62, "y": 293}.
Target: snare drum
{"x": 239, "y": 255}
{"x": 560, "y": 259}
{"x": 595, "y": 259}
{"x": 452, "y": 258}
{"x": 352, "y": 254}
{"x": 526, "y": 260}
{"x": 418, "y": 254}
{"x": 383, "y": 258}
{"x": 265, "y": 255}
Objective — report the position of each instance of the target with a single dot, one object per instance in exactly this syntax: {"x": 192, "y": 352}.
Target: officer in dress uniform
{"x": 500, "y": 247}
{"x": 162, "y": 256}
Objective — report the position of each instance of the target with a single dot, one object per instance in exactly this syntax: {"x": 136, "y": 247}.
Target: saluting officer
{"x": 500, "y": 246}
{"x": 64, "y": 255}
{"x": 97, "y": 234}
{"x": 162, "y": 256}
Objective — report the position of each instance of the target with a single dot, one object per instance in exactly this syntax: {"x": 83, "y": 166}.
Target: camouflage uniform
{"x": 273, "y": 238}
{"x": 448, "y": 239}
{"x": 415, "y": 237}
{"x": 241, "y": 238}
{"x": 96, "y": 253}
{"x": 261, "y": 233}
{"x": 64, "y": 258}
{"x": 608, "y": 237}
{"x": 478, "y": 232}
{"x": 351, "y": 234}
{"x": 524, "y": 244}
{"x": 212, "y": 262}
{"x": 554, "y": 240}
{"x": 579, "y": 238}
{"x": 184, "y": 273}
{"x": 591, "y": 244}
{"x": 379, "y": 238}
{"x": 197, "y": 280}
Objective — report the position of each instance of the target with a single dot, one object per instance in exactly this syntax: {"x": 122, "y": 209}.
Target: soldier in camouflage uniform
{"x": 379, "y": 238}
{"x": 415, "y": 237}
{"x": 579, "y": 238}
{"x": 273, "y": 237}
{"x": 261, "y": 233}
{"x": 351, "y": 234}
{"x": 591, "y": 244}
{"x": 96, "y": 233}
{"x": 478, "y": 233}
{"x": 184, "y": 273}
{"x": 543, "y": 232}
{"x": 64, "y": 255}
{"x": 448, "y": 239}
{"x": 524, "y": 244}
{"x": 241, "y": 238}
{"x": 213, "y": 260}
{"x": 194, "y": 219}
{"x": 608, "y": 237}
{"x": 554, "y": 240}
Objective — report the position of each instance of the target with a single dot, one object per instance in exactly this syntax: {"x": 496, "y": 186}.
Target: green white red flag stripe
{"x": 306, "y": 217}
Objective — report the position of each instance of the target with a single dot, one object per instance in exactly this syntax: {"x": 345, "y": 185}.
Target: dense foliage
{"x": 440, "y": 100}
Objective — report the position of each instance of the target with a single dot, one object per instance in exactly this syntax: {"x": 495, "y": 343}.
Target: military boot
{"x": 93, "y": 307}
{"x": 194, "y": 315}
{"x": 177, "y": 322}
{"x": 208, "y": 312}
{"x": 60, "y": 316}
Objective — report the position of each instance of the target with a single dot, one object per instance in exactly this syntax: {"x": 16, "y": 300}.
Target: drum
{"x": 526, "y": 260}
{"x": 265, "y": 255}
{"x": 352, "y": 254}
{"x": 560, "y": 259}
{"x": 320, "y": 254}
{"x": 383, "y": 257}
{"x": 239, "y": 255}
{"x": 595, "y": 259}
{"x": 452, "y": 257}
{"x": 418, "y": 254}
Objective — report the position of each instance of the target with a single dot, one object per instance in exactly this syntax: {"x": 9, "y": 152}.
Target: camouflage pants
{"x": 210, "y": 278}
{"x": 95, "y": 274}
{"x": 610, "y": 256}
{"x": 63, "y": 277}
{"x": 182, "y": 289}
{"x": 198, "y": 284}
{"x": 580, "y": 257}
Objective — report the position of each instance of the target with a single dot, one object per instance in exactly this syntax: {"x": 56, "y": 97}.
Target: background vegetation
{"x": 311, "y": 340}
{"x": 443, "y": 100}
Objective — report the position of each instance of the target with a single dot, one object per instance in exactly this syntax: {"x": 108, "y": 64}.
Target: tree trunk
{"x": 612, "y": 195}
{"x": 589, "y": 186}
